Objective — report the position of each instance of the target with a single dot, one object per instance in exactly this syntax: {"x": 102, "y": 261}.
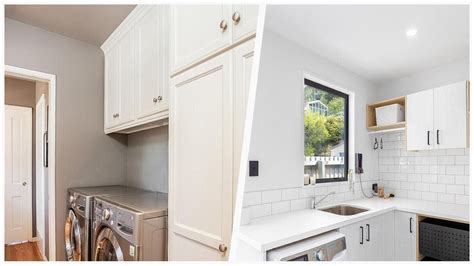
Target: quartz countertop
{"x": 277, "y": 230}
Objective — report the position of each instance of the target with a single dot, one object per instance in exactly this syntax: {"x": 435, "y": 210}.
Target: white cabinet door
{"x": 405, "y": 236}
{"x": 148, "y": 66}
{"x": 111, "y": 86}
{"x": 450, "y": 112}
{"x": 200, "y": 190}
{"x": 242, "y": 62}
{"x": 419, "y": 120}
{"x": 380, "y": 238}
{"x": 244, "y": 20}
{"x": 355, "y": 240}
{"x": 126, "y": 72}
{"x": 196, "y": 32}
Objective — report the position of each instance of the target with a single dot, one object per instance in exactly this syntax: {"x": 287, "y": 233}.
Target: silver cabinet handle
{"x": 236, "y": 17}
{"x": 155, "y": 100}
{"x": 160, "y": 98}
{"x": 24, "y": 183}
{"x": 223, "y": 25}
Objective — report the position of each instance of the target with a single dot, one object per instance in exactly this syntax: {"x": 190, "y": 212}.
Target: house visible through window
{"x": 326, "y": 124}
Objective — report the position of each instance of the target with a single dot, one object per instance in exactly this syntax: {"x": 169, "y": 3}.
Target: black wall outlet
{"x": 253, "y": 168}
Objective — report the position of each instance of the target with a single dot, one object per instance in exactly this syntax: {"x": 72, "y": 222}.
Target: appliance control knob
{"x": 320, "y": 255}
{"x": 72, "y": 200}
{"x": 106, "y": 214}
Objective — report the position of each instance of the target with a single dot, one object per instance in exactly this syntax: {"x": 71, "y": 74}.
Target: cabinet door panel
{"x": 450, "y": 112}
{"x": 196, "y": 32}
{"x": 242, "y": 62}
{"x": 148, "y": 59}
{"x": 419, "y": 120}
{"x": 405, "y": 236}
{"x": 201, "y": 161}
{"x": 247, "y": 24}
{"x": 127, "y": 78}
{"x": 355, "y": 240}
{"x": 112, "y": 86}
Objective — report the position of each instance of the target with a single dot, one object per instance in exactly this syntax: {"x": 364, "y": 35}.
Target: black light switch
{"x": 253, "y": 168}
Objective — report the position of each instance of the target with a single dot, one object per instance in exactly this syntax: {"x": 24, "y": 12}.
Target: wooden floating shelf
{"x": 371, "y": 121}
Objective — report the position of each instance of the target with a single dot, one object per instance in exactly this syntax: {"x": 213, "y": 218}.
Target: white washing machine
{"x": 77, "y": 228}
{"x": 131, "y": 227}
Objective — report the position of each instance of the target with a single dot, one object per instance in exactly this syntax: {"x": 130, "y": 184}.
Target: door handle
{"x": 368, "y": 233}
{"x": 411, "y": 229}
{"x": 428, "y": 136}
{"x": 45, "y": 149}
{"x": 437, "y": 136}
{"x": 361, "y": 235}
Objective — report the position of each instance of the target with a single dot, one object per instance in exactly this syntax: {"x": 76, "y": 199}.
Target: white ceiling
{"x": 88, "y": 23}
{"x": 370, "y": 40}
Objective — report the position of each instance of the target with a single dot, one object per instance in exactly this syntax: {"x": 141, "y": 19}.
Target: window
{"x": 326, "y": 127}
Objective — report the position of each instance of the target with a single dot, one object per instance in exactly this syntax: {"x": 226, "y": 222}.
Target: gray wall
{"x": 431, "y": 78}
{"x": 147, "y": 159}
{"x": 84, "y": 154}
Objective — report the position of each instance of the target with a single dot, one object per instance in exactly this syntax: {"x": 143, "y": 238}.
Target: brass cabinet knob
{"x": 155, "y": 100}
{"x": 160, "y": 98}
{"x": 222, "y": 248}
{"x": 223, "y": 25}
{"x": 236, "y": 17}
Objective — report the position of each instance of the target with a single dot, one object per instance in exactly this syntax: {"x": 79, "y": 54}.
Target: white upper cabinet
{"x": 419, "y": 120}
{"x": 451, "y": 117}
{"x": 136, "y": 72}
{"x": 438, "y": 118}
{"x": 200, "y": 31}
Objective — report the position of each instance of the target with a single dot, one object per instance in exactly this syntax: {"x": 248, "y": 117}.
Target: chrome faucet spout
{"x": 315, "y": 203}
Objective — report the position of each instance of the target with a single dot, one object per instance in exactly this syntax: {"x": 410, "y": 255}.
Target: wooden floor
{"x": 23, "y": 252}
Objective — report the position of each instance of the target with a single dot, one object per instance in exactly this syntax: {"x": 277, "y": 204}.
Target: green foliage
{"x": 323, "y": 132}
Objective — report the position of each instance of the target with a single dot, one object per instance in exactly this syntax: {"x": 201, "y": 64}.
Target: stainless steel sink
{"x": 345, "y": 210}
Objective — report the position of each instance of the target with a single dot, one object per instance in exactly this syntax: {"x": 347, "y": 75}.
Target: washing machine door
{"x": 72, "y": 235}
{"x": 107, "y": 247}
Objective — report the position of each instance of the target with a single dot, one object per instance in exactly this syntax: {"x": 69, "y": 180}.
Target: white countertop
{"x": 274, "y": 231}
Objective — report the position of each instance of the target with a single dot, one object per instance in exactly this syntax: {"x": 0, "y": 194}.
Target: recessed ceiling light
{"x": 411, "y": 33}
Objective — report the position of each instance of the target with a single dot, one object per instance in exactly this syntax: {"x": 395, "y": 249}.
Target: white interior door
{"x": 200, "y": 192}
{"x": 41, "y": 171}
{"x": 18, "y": 174}
{"x": 419, "y": 120}
{"x": 450, "y": 112}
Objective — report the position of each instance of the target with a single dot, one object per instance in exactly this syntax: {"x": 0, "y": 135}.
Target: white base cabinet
{"x": 371, "y": 239}
{"x": 406, "y": 226}
{"x": 136, "y": 72}
{"x": 438, "y": 118}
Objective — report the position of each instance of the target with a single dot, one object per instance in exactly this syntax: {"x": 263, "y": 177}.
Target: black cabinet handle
{"x": 428, "y": 136}
{"x": 368, "y": 233}
{"x": 437, "y": 136}
{"x": 361, "y": 235}
{"x": 45, "y": 149}
{"x": 411, "y": 230}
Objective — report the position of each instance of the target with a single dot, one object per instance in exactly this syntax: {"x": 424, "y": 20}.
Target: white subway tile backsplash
{"x": 289, "y": 193}
{"x": 252, "y": 198}
{"x": 434, "y": 175}
{"x": 281, "y": 207}
{"x": 271, "y": 196}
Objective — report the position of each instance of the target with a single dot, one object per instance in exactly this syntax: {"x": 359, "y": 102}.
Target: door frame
{"x": 29, "y": 197}
{"x": 23, "y": 73}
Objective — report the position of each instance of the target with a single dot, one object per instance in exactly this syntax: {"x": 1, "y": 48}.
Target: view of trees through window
{"x": 325, "y": 147}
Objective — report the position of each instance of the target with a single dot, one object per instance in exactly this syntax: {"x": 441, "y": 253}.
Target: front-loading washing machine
{"x": 77, "y": 229}
{"x": 131, "y": 227}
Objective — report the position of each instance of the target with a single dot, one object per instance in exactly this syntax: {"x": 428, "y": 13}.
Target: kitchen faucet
{"x": 315, "y": 203}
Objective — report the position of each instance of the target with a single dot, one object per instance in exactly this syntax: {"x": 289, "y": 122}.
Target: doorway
{"x": 29, "y": 163}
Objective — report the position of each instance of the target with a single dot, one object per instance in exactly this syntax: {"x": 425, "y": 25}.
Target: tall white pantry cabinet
{"x": 211, "y": 54}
